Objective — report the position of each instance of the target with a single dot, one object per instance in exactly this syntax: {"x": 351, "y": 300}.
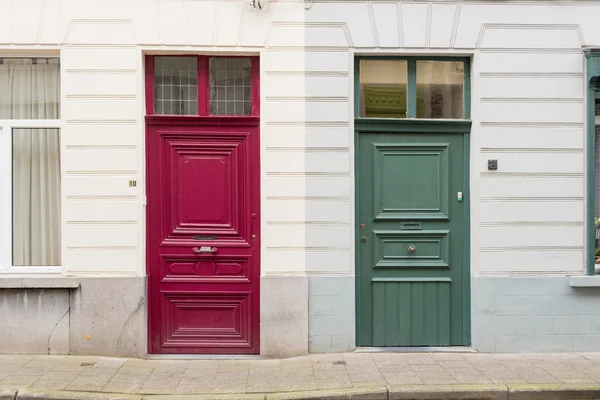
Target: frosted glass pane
{"x": 383, "y": 88}
{"x": 440, "y": 89}
{"x": 29, "y": 88}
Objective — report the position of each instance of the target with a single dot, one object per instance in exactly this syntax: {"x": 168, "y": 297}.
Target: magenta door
{"x": 203, "y": 235}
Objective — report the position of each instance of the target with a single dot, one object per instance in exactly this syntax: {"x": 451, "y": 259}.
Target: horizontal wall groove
{"x": 310, "y": 99}
{"x": 531, "y": 150}
{"x": 505, "y": 249}
{"x": 500, "y": 175}
{"x": 312, "y": 49}
{"x": 310, "y": 223}
{"x": 560, "y": 273}
{"x": 81, "y": 147}
{"x": 531, "y": 100}
{"x": 103, "y": 197}
{"x": 321, "y": 124}
{"x": 531, "y": 75}
{"x": 99, "y": 45}
{"x": 536, "y": 124}
{"x": 85, "y": 249}
{"x": 100, "y": 173}
{"x": 557, "y": 224}
{"x": 309, "y": 198}
{"x": 307, "y": 272}
{"x": 307, "y": 73}
{"x": 102, "y": 223}
{"x": 310, "y": 174}
{"x": 101, "y": 121}
{"x": 100, "y": 96}
{"x": 119, "y": 71}
{"x": 320, "y": 249}
{"x": 531, "y": 199}
{"x": 309, "y": 149}
{"x": 547, "y": 50}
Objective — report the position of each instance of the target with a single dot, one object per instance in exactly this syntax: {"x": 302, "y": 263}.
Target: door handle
{"x": 204, "y": 249}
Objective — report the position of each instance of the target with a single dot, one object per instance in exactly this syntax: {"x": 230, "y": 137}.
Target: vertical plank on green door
{"x": 391, "y": 316}
{"x": 418, "y": 309}
{"x": 404, "y": 312}
{"x": 378, "y": 313}
{"x": 431, "y": 313}
{"x": 444, "y": 313}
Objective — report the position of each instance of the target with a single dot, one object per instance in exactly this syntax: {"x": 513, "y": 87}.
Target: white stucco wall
{"x": 527, "y": 110}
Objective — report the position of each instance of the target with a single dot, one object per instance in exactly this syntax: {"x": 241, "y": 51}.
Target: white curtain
{"x": 29, "y": 89}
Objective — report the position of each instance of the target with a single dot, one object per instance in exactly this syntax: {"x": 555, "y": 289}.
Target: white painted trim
{"x": 5, "y": 199}
{"x": 31, "y": 123}
{"x": 6, "y": 127}
{"x": 597, "y": 119}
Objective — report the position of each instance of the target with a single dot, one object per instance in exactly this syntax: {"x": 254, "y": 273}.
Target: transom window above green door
{"x": 412, "y": 87}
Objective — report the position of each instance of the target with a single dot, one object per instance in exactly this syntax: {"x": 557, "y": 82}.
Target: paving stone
{"x": 265, "y": 371}
{"x": 50, "y": 384}
{"x": 90, "y": 384}
{"x": 100, "y": 372}
{"x": 472, "y": 379}
{"x": 336, "y": 384}
{"x": 454, "y": 364}
{"x": 60, "y": 376}
{"x": 135, "y": 370}
{"x": 403, "y": 379}
{"x": 330, "y": 375}
{"x": 19, "y": 380}
{"x": 33, "y": 371}
{"x": 121, "y": 387}
{"x": 428, "y": 368}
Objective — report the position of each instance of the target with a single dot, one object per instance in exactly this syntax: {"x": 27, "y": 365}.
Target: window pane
{"x": 36, "y": 197}
{"x": 29, "y": 88}
{"x": 440, "y": 89}
{"x": 230, "y": 86}
{"x": 383, "y": 88}
{"x": 176, "y": 85}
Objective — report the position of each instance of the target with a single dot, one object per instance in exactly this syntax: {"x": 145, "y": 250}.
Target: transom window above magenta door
{"x": 202, "y": 85}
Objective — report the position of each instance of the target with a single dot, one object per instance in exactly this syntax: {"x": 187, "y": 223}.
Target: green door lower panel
{"x": 410, "y": 253}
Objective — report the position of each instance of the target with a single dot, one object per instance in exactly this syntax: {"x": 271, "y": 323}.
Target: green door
{"x": 410, "y": 250}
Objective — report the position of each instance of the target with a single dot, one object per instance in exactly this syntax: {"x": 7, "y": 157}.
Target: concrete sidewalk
{"x": 330, "y": 376}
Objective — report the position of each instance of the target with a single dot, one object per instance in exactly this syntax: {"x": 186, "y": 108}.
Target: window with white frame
{"x": 30, "y": 175}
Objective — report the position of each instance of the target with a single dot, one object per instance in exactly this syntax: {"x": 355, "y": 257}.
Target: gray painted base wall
{"x": 111, "y": 311}
{"x": 331, "y": 315}
{"x": 538, "y": 314}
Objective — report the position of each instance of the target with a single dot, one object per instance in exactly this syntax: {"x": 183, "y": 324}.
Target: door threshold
{"x": 452, "y": 349}
{"x": 202, "y": 357}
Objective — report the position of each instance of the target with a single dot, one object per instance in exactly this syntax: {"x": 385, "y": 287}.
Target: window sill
{"x": 584, "y": 281}
{"x": 37, "y": 282}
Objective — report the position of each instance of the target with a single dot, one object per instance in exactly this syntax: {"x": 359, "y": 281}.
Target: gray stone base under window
{"x": 104, "y": 317}
{"x": 537, "y": 314}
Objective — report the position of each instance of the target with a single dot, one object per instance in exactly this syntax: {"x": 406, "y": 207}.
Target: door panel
{"x": 410, "y": 236}
{"x": 203, "y": 246}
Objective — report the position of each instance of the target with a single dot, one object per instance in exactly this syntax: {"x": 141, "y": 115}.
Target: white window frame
{"x": 6, "y": 234}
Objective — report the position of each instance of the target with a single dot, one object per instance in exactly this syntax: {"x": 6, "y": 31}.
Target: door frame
{"x": 413, "y": 125}
{"x": 203, "y": 118}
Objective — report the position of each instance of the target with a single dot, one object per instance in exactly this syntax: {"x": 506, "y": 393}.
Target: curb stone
{"x": 223, "y": 396}
{"x": 8, "y": 394}
{"x": 450, "y": 392}
{"x": 553, "y": 392}
{"x": 364, "y": 393}
{"x": 67, "y": 395}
